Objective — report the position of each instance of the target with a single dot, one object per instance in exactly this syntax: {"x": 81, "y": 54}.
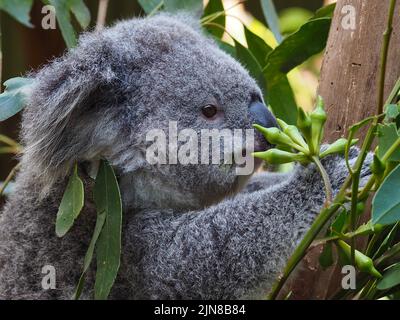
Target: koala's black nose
{"x": 261, "y": 115}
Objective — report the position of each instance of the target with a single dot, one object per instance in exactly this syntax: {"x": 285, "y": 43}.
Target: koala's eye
{"x": 209, "y": 110}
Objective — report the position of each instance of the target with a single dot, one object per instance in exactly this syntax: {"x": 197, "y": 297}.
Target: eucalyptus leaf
{"x": 63, "y": 9}
{"x": 18, "y": 9}
{"x": 149, "y": 5}
{"x": 195, "y": 6}
{"x": 279, "y": 95}
{"x": 107, "y": 199}
{"x": 71, "y": 204}
{"x": 391, "y": 112}
{"x": 281, "y": 99}
{"x": 326, "y": 257}
{"x": 257, "y": 46}
{"x": 387, "y": 135}
{"x": 250, "y": 62}
{"x": 14, "y": 97}
{"x": 101, "y": 218}
{"x": 391, "y": 278}
{"x": 81, "y": 12}
{"x": 213, "y": 7}
{"x": 325, "y": 12}
{"x": 272, "y": 18}
{"x": 309, "y": 40}
{"x": 64, "y": 22}
{"x": 387, "y": 242}
{"x": 386, "y": 202}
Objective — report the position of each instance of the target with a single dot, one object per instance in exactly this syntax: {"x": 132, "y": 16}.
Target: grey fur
{"x": 187, "y": 232}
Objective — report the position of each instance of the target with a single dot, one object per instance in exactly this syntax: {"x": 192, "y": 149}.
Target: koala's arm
{"x": 232, "y": 250}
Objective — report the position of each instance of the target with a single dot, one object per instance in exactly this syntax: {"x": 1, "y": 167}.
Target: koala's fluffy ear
{"x": 57, "y": 129}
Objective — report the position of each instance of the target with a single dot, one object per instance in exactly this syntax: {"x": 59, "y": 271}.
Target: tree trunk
{"x": 349, "y": 86}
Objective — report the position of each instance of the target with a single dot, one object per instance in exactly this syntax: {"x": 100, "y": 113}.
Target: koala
{"x": 189, "y": 231}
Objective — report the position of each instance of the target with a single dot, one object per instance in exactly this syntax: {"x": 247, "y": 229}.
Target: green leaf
{"x": 64, "y": 21}
{"x": 309, "y": 40}
{"x": 387, "y": 135}
{"x": 386, "y": 202}
{"x": 391, "y": 278}
{"x": 149, "y": 5}
{"x": 338, "y": 225}
{"x": 281, "y": 99}
{"x": 250, "y": 62}
{"x": 257, "y": 46}
{"x": 387, "y": 242}
{"x": 325, "y": 12}
{"x": 195, "y": 6}
{"x": 80, "y": 11}
{"x": 71, "y": 204}
{"x": 391, "y": 112}
{"x": 272, "y": 18}
{"x": 213, "y": 7}
{"x": 14, "y": 97}
{"x": 63, "y": 9}
{"x": 293, "y": 18}
{"x": 326, "y": 257}
{"x": 18, "y": 9}
{"x": 279, "y": 95}
{"x": 101, "y": 218}
{"x": 108, "y": 249}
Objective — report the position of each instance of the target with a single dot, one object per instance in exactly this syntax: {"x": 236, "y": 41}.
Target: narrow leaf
{"x": 107, "y": 199}
{"x": 250, "y": 63}
{"x": 101, "y": 218}
{"x": 195, "y": 6}
{"x": 272, "y": 18}
{"x": 149, "y": 5}
{"x": 81, "y": 12}
{"x": 391, "y": 278}
{"x": 71, "y": 204}
{"x": 280, "y": 97}
{"x": 257, "y": 46}
{"x": 64, "y": 21}
{"x": 213, "y": 7}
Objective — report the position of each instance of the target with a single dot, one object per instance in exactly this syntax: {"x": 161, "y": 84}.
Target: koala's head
{"x": 102, "y": 98}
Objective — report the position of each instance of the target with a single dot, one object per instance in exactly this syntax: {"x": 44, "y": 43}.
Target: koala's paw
{"x": 337, "y": 170}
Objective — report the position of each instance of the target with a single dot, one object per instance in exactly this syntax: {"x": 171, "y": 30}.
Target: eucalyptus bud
{"x": 304, "y": 124}
{"x": 318, "y": 118}
{"x": 294, "y": 134}
{"x": 274, "y": 135}
{"x": 276, "y": 156}
{"x": 363, "y": 262}
{"x": 339, "y": 146}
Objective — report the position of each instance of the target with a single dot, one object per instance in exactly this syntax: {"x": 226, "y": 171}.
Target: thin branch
{"x": 101, "y": 14}
{"x": 8, "y": 179}
{"x": 384, "y": 53}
